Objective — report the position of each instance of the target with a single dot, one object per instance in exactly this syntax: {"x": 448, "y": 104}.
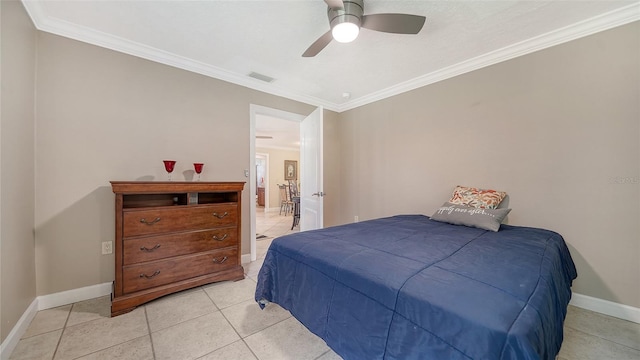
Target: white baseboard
{"x": 606, "y": 307}
{"x": 269, "y": 209}
{"x": 47, "y": 302}
{"x": 11, "y": 341}
{"x": 72, "y": 296}
{"x": 246, "y": 258}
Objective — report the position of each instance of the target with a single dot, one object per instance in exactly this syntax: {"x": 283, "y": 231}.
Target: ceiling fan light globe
{"x": 345, "y": 32}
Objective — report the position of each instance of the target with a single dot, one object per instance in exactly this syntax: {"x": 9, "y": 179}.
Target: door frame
{"x": 255, "y": 110}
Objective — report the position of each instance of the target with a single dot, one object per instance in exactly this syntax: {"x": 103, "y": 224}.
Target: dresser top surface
{"x": 141, "y": 187}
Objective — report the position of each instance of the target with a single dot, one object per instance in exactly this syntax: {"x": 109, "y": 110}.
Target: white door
{"x": 311, "y": 171}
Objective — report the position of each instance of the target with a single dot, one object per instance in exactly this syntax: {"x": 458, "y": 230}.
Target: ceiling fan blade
{"x": 334, "y": 4}
{"x": 394, "y": 23}
{"x": 318, "y": 45}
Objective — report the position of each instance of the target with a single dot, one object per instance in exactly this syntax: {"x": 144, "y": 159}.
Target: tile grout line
{"x": 274, "y": 324}
{"x": 231, "y": 325}
{"x": 64, "y": 328}
{"x": 324, "y": 353}
{"x": 218, "y": 309}
{"x": 146, "y": 317}
{"x": 187, "y": 320}
{"x": 240, "y": 336}
{"x": 118, "y": 344}
{"x": 112, "y": 346}
{"x": 209, "y": 297}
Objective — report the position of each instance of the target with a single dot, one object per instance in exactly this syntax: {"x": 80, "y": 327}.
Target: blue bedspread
{"x": 407, "y": 287}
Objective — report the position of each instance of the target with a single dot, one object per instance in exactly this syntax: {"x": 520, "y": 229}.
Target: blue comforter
{"x": 407, "y": 287}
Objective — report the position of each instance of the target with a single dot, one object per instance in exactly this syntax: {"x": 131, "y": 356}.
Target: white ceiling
{"x": 285, "y": 134}
{"x": 230, "y": 39}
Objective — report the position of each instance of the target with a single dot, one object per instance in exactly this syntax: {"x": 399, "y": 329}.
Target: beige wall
{"x": 17, "y": 252}
{"x": 102, "y": 116}
{"x": 276, "y": 171}
{"x": 558, "y": 129}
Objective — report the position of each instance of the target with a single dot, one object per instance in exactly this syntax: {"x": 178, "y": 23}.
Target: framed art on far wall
{"x": 290, "y": 170}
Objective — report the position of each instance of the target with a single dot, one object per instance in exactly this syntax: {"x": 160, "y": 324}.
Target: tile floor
{"x": 222, "y": 321}
{"x": 272, "y": 224}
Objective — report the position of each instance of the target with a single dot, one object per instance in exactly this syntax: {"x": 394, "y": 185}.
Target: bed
{"x": 408, "y": 287}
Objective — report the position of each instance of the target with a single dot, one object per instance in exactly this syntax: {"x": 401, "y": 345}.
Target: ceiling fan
{"x": 346, "y": 18}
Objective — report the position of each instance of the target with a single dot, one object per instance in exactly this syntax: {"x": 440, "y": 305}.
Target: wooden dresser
{"x": 260, "y": 196}
{"x": 172, "y": 236}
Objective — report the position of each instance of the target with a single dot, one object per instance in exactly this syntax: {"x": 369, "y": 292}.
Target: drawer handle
{"x": 220, "y": 216}
{"x": 144, "y": 248}
{"x": 220, "y": 261}
{"x": 150, "y": 276}
{"x": 215, "y": 237}
{"x": 144, "y": 221}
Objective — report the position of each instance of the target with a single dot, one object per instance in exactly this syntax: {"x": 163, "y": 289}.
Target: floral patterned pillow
{"x": 478, "y": 198}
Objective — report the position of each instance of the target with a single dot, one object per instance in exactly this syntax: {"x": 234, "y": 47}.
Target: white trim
{"x": 45, "y": 302}
{"x": 246, "y": 258}
{"x": 612, "y": 19}
{"x": 253, "y": 109}
{"x": 71, "y": 296}
{"x": 575, "y": 31}
{"x": 11, "y": 341}
{"x": 606, "y": 307}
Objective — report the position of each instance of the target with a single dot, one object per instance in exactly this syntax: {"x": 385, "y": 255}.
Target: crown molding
{"x": 612, "y": 19}
{"x": 575, "y": 31}
{"x": 66, "y": 29}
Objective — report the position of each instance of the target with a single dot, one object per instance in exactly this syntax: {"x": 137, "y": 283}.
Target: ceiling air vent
{"x": 261, "y": 77}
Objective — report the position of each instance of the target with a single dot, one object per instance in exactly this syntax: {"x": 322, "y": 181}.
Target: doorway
{"x": 257, "y": 113}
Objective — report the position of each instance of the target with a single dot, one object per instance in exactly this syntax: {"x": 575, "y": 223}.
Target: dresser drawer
{"x": 168, "y": 219}
{"x": 149, "y": 248}
{"x": 161, "y": 272}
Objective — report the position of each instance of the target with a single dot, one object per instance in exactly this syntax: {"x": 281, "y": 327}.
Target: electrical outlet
{"x": 107, "y": 247}
{"x": 355, "y": 219}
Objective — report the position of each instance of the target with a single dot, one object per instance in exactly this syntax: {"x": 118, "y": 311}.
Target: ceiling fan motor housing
{"x": 351, "y": 13}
